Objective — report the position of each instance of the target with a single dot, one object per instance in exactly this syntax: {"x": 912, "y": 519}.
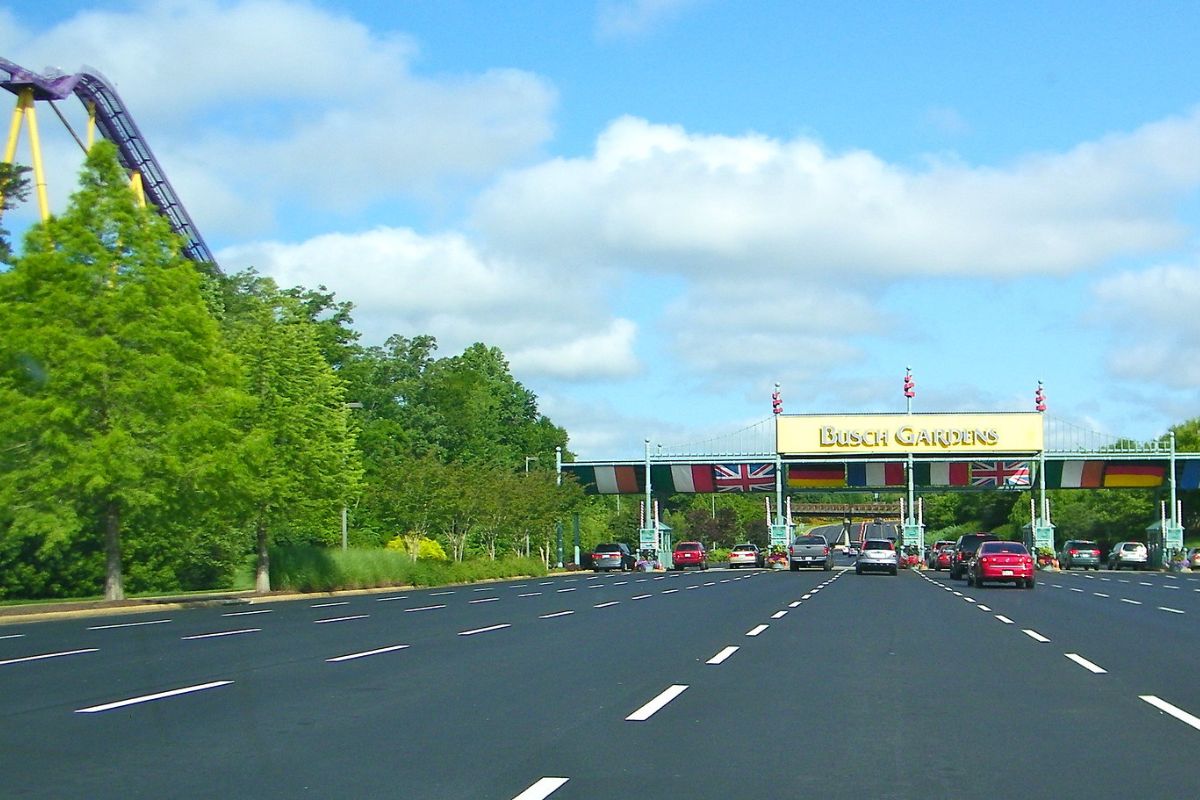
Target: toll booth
{"x": 657, "y": 542}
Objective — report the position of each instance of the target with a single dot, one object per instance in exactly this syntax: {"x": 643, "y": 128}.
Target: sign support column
{"x": 1043, "y": 529}
{"x": 914, "y": 534}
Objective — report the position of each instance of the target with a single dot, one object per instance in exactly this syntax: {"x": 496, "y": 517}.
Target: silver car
{"x": 878, "y": 555}
{"x": 1128, "y": 554}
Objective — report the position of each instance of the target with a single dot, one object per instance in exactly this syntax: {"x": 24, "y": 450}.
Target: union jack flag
{"x": 744, "y": 477}
{"x": 1000, "y": 473}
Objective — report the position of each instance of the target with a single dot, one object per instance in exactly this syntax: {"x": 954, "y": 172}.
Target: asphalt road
{"x": 717, "y": 684}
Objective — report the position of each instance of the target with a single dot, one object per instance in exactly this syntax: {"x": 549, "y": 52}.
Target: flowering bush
{"x": 777, "y": 556}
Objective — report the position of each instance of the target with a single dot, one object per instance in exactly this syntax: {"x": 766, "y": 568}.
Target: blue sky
{"x": 659, "y": 208}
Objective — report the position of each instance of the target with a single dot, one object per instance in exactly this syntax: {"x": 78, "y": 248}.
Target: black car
{"x": 964, "y": 551}
{"x": 613, "y": 555}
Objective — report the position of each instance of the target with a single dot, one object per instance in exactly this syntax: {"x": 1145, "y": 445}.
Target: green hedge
{"x": 305, "y": 568}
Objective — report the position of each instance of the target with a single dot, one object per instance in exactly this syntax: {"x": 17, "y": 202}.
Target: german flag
{"x": 817, "y": 476}
{"x": 1133, "y": 475}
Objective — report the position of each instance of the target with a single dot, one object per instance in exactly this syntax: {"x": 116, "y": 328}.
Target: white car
{"x": 745, "y": 555}
{"x": 1128, "y": 554}
{"x": 879, "y": 555}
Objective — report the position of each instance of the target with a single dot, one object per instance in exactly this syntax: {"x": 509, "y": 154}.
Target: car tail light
{"x": 1074, "y": 552}
{"x": 826, "y": 551}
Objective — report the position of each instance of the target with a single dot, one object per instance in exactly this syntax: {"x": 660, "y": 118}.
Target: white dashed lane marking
{"x": 128, "y": 624}
{"x": 1032, "y": 634}
{"x": 1088, "y": 665}
{"x": 1004, "y": 619}
{"x": 756, "y": 630}
{"x": 543, "y": 788}
{"x": 488, "y": 629}
{"x": 365, "y": 653}
{"x": 721, "y": 656}
{"x": 146, "y": 698}
{"x": 42, "y": 656}
{"x": 220, "y": 633}
{"x": 1174, "y": 711}
{"x": 651, "y": 708}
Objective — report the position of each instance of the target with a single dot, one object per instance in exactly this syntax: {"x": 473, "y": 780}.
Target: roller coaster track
{"x": 116, "y": 124}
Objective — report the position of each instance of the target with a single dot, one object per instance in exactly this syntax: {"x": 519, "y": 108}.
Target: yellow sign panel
{"x": 885, "y": 434}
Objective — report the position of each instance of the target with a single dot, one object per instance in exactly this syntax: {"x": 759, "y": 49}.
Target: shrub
{"x": 307, "y": 568}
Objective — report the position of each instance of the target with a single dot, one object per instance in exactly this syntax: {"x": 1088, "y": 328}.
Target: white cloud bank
{"x": 402, "y": 282}
{"x": 256, "y": 103}
{"x": 665, "y": 199}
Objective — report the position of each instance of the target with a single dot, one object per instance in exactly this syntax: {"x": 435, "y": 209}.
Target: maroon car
{"x": 1006, "y": 562}
{"x": 689, "y": 554}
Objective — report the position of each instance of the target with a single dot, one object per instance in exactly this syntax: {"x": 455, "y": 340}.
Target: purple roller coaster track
{"x": 116, "y": 124}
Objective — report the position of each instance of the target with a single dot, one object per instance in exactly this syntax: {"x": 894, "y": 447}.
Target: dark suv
{"x": 612, "y": 555}
{"x": 964, "y": 551}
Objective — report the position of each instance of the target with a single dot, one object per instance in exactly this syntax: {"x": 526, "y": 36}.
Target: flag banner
{"x": 1187, "y": 475}
{"x": 1133, "y": 474}
{"x": 608, "y": 478}
{"x": 883, "y": 474}
{"x": 822, "y": 475}
{"x": 1074, "y": 474}
{"x": 681, "y": 478}
{"x": 949, "y": 473}
{"x": 744, "y": 477}
{"x": 999, "y": 473}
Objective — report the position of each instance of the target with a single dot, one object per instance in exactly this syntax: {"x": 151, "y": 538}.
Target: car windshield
{"x": 608, "y": 548}
{"x": 688, "y": 546}
{"x": 1132, "y": 546}
{"x": 744, "y": 547}
{"x": 1003, "y": 547}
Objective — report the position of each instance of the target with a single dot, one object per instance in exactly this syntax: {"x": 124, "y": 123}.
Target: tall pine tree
{"x": 120, "y": 398}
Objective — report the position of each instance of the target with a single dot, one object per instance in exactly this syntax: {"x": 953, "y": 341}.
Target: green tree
{"x": 14, "y": 188}
{"x": 301, "y": 465}
{"x": 119, "y": 396}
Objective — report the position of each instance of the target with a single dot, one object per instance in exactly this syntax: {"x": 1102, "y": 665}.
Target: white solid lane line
{"x": 340, "y": 619}
{"x": 146, "y": 698}
{"x": 1032, "y": 634}
{"x": 329, "y": 605}
{"x": 649, "y": 710}
{"x": 365, "y": 653}
{"x": 756, "y": 630}
{"x": 542, "y": 789}
{"x": 127, "y": 624}
{"x": 556, "y": 614}
{"x": 1177, "y": 713}
{"x": 1004, "y": 619}
{"x": 721, "y": 656}
{"x": 48, "y": 655}
{"x": 423, "y": 608}
{"x": 220, "y": 633}
{"x": 1088, "y": 665}
{"x": 485, "y": 630}
{"x": 1172, "y": 610}
{"x": 246, "y": 613}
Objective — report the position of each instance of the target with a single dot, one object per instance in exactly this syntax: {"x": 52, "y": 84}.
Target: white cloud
{"x": 693, "y": 204}
{"x": 625, "y": 19}
{"x": 250, "y": 101}
{"x": 1152, "y": 321}
{"x": 547, "y": 323}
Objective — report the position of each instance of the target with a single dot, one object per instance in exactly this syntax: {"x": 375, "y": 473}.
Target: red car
{"x": 689, "y": 554}
{"x": 1001, "y": 561}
